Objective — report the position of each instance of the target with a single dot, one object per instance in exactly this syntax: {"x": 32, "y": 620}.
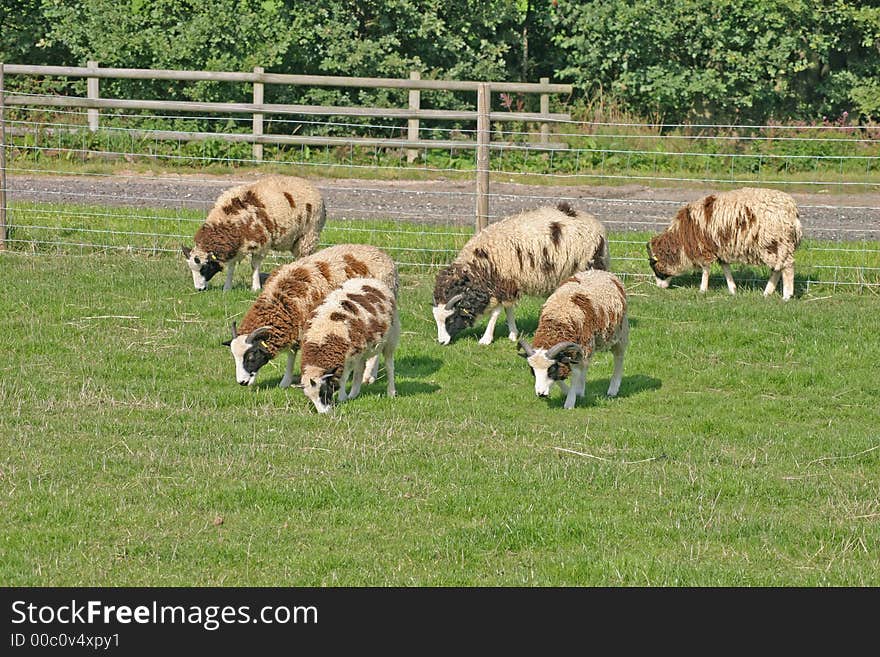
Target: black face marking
{"x": 254, "y": 358}
{"x": 197, "y": 260}
{"x": 653, "y": 262}
{"x": 328, "y": 387}
{"x": 210, "y": 268}
{"x": 553, "y": 372}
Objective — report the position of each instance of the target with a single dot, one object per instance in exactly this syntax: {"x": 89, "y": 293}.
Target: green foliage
{"x": 704, "y": 61}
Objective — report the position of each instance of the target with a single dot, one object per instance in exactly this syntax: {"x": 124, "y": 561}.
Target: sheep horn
{"x": 234, "y": 332}
{"x": 454, "y": 300}
{"x": 186, "y": 251}
{"x": 526, "y": 347}
{"x": 258, "y": 334}
{"x": 553, "y": 351}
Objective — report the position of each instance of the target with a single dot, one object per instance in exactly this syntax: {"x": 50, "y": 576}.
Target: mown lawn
{"x": 743, "y": 449}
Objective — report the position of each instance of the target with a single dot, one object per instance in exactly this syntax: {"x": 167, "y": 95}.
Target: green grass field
{"x": 743, "y": 449}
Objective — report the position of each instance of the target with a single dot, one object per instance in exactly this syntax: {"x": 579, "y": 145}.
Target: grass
{"x": 743, "y": 448}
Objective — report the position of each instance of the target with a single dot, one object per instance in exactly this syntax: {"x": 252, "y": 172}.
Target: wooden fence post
{"x": 93, "y": 94}
{"x": 545, "y": 109}
{"x": 412, "y": 129}
{"x": 258, "y": 118}
{"x": 2, "y": 160}
{"x": 484, "y": 97}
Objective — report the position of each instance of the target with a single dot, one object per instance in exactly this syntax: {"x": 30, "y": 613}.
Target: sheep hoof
{"x": 369, "y": 379}
{"x": 513, "y": 337}
{"x": 485, "y": 340}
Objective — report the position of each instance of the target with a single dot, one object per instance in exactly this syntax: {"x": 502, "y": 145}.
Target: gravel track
{"x": 824, "y": 215}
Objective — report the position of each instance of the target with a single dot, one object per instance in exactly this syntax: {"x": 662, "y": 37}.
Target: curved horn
{"x": 454, "y": 300}
{"x": 234, "y": 331}
{"x": 258, "y": 334}
{"x": 553, "y": 351}
{"x": 526, "y": 347}
{"x": 186, "y": 251}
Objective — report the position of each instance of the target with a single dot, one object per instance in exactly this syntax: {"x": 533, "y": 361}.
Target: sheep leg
{"x": 230, "y": 269}
{"x": 287, "y": 379}
{"x": 255, "y": 275}
{"x": 371, "y": 372}
{"x": 388, "y": 355}
{"x": 771, "y": 283}
{"x": 728, "y": 275}
{"x": 704, "y": 282}
{"x": 571, "y": 394}
{"x": 357, "y": 378}
{"x": 511, "y": 323}
{"x": 490, "y": 328}
{"x": 343, "y": 382}
{"x": 787, "y": 282}
{"x": 614, "y": 386}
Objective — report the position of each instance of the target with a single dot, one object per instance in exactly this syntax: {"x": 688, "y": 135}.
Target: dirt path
{"x": 825, "y": 214}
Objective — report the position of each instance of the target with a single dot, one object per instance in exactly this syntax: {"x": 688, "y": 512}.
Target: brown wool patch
{"x": 355, "y": 268}
{"x": 308, "y": 210}
{"x": 555, "y": 233}
{"x": 357, "y": 332}
{"x": 480, "y": 252}
{"x": 695, "y": 241}
{"x": 369, "y": 289}
{"x": 377, "y": 329}
{"x": 293, "y": 287}
{"x": 364, "y": 301}
{"x": 709, "y": 208}
{"x": 267, "y": 221}
{"x": 750, "y": 217}
{"x": 620, "y": 289}
{"x": 546, "y": 262}
{"x": 594, "y": 320}
{"x": 301, "y": 274}
{"x": 573, "y": 279}
{"x": 506, "y": 289}
{"x": 349, "y": 306}
{"x": 519, "y": 255}
{"x": 328, "y": 354}
{"x": 338, "y": 317}
{"x": 773, "y": 247}
{"x": 565, "y": 208}
{"x": 551, "y": 333}
{"x": 290, "y": 199}
{"x": 220, "y": 239}
{"x": 235, "y": 204}
{"x": 250, "y": 198}
{"x": 324, "y": 268}
{"x": 597, "y": 255}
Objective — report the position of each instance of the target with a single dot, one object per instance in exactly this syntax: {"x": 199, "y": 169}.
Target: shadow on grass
{"x": 413, "y": 388}
{"x": 417, "y": 367}
{"x": 746, "y": 278}
{"x": 596, "y": 389}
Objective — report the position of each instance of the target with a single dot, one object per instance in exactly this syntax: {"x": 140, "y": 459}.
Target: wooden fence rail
{"x": 258, "y": 109}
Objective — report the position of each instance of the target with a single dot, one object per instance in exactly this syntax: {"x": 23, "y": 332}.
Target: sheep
{"x": 587, "y": 313}
{"x": 526, "y": 254}
{"x": 751, "y": 225}
{"x": 278, "y": 316}
{"x": 356, "y": 321}
{"x": 282, "y": 213}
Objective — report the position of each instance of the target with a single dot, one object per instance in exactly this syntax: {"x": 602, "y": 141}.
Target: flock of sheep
{"x": 338, "y": 306}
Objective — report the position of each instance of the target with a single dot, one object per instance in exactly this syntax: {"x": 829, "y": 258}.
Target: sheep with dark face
{"x": 750, "y": 225}
{"x": 586, "y": 314}
{"x": 355, "y": 323}
{"x": 281, "y": 213}
{"x": 526, "y": 254}
{"x": 276, "y": 320}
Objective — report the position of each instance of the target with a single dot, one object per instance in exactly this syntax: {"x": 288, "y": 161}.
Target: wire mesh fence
{"x": 144, "y": 182}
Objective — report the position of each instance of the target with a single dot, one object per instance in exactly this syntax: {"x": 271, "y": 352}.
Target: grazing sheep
{"x": 355, "y": 322}
{"x": 750, "y": 225}
{"x": 530, "y": 253}
{"x": 282, "y": 213}
{"x": 587, "y": 313}
{"x": 276, "y": 320}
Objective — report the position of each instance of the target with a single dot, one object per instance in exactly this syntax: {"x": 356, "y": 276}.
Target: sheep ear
{"x": 186, "y": 250}
{"x": 258, "y": 334}
{"x": 226, "y": 343}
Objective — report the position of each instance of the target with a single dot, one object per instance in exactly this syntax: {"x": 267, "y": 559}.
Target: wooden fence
{"x": 413, "y": 113}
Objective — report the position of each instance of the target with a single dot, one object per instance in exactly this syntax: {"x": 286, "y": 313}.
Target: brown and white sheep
{"x": 586, "y": 314}
{"x": 356, "y": 322}
{"x": 526, "y": 254}
{"x": 281, "y": 213}
{"x": 751, "y": 225}
{"x": 276, "y": 320}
